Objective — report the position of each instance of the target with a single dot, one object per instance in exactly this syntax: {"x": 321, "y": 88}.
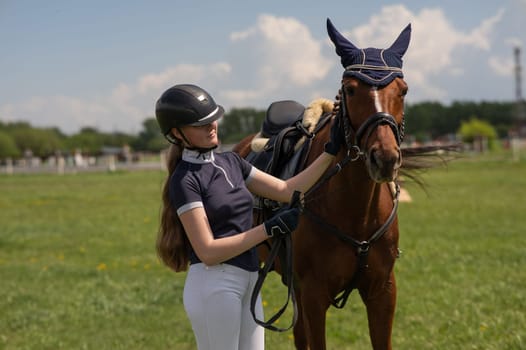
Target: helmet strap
{"x": 191, "y": 147}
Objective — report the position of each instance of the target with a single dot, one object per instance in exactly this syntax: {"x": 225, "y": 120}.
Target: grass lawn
{"x": 78, "y": 268}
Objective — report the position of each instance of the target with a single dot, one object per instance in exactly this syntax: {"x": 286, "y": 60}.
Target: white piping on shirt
{"x": 203, "y": 158}
{"x": 224, "y": 172}
{"x": 188, "y": 206}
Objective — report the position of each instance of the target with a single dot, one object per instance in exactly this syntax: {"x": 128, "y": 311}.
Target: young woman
{"x": 206, "y": 219}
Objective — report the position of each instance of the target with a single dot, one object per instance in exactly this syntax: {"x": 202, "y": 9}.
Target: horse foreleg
{"x": 380, "y": 313}
{"x": 300, "y": 333}
{"x": 313, "y": 315}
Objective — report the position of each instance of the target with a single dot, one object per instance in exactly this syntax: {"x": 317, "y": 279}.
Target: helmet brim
{"x": 213, "y": 116}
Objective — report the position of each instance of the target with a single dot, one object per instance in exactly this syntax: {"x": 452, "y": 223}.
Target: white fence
{"x": 75, "y": 164}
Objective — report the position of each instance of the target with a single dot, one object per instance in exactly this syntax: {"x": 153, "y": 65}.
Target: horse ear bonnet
{"x": 377, "y": 67}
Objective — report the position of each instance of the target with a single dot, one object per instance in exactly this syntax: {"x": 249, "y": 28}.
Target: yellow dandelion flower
{"x": 265, "y": 303}
{"x": 102, "y": 267}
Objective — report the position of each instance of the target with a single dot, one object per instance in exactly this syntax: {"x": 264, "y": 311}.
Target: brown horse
{"x": 347, "y": 237}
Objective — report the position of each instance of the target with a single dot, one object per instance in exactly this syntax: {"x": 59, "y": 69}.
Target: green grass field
{"x": 78, "y": 268}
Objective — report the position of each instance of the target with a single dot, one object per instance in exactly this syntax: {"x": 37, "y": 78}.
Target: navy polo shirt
{"x": 216, "y": 182}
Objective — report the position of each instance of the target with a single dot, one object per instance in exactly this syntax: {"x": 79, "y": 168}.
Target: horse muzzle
{"x": 383, "y": 163}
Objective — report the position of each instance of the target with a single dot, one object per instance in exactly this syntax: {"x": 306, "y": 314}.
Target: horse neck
{"x": 356, "y": 197}
{"x": 354, "y": 180}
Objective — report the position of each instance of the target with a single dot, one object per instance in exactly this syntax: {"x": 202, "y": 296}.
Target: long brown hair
{"x": 172, "y": 243}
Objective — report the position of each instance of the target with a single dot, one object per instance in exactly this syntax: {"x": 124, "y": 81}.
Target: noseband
{"x": 354, "y": 138}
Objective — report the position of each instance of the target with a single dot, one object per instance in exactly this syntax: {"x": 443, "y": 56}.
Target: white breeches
{"x": 217, "y": 302}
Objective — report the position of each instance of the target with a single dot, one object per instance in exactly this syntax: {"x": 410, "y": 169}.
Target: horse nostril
{"x": 374, "y": 159}
{"x": 380, "y": 159}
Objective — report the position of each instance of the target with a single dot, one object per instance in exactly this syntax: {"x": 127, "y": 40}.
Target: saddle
{"x": 281, "y": 130}
{"x": 281, "y": 147}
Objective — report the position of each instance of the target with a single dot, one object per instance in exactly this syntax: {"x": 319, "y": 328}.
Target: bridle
{"x": 354, "y": 138}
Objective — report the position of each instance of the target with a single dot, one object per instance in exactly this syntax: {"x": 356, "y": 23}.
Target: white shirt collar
{"x": 196, "y": 157}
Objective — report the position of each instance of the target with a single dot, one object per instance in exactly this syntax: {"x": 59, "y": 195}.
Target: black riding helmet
{"x": 185, "y": 104}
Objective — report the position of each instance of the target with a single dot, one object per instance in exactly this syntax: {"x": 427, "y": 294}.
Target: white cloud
{"x": 278, "y": 57}
{"x": 501, "y": 66}
{"x": 279, "y": 51}
{"x": 480, "y": 36}
{"x": 70, "y": 113}
{"x": 241, "y": 96}
{"x": 291, "y": 52}
{"x": 179, "y": 74}
{"x": 124, "y": 108}
{"x": 242, "y": 35}
{"x": 504, "y": 66}
{"x": 515, "y": 42}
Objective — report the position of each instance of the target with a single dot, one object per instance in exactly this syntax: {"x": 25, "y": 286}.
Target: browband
{"x": 369, "y": 67}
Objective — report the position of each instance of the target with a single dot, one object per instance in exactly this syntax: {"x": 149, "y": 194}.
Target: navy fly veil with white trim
{"x": 377, "y": 67}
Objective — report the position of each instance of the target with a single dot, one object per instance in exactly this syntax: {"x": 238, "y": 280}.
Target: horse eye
{"x": 349, "y": 91}
{"x": 403, "y": 92}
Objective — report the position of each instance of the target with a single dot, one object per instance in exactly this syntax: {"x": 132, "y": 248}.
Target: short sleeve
{"x": 185, "y": 193}
{"x": 246, "y": 167}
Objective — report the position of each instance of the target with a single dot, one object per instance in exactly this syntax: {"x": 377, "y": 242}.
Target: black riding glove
{"x": 283, "y": 223}
{"x": 337, "y": 138}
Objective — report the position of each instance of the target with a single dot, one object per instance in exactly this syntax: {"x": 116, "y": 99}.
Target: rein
{"x": 277, "y": 242}
{"x": 362, "y": 247}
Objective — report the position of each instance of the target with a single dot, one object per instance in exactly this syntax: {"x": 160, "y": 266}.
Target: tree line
{"x": 423, "y": 122}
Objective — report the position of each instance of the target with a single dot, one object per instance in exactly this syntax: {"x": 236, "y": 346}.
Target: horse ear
{"x": 343, "y": 46}
{"x": 401, "y": 44}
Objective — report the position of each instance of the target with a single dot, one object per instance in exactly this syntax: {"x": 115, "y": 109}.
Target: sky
{"x": 103, "y": 64}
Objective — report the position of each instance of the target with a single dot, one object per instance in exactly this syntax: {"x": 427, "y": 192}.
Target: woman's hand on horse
{"x": 283, "y": 223}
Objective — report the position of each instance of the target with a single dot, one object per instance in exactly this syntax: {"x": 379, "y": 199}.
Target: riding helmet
{"x": 185, "y": 104}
